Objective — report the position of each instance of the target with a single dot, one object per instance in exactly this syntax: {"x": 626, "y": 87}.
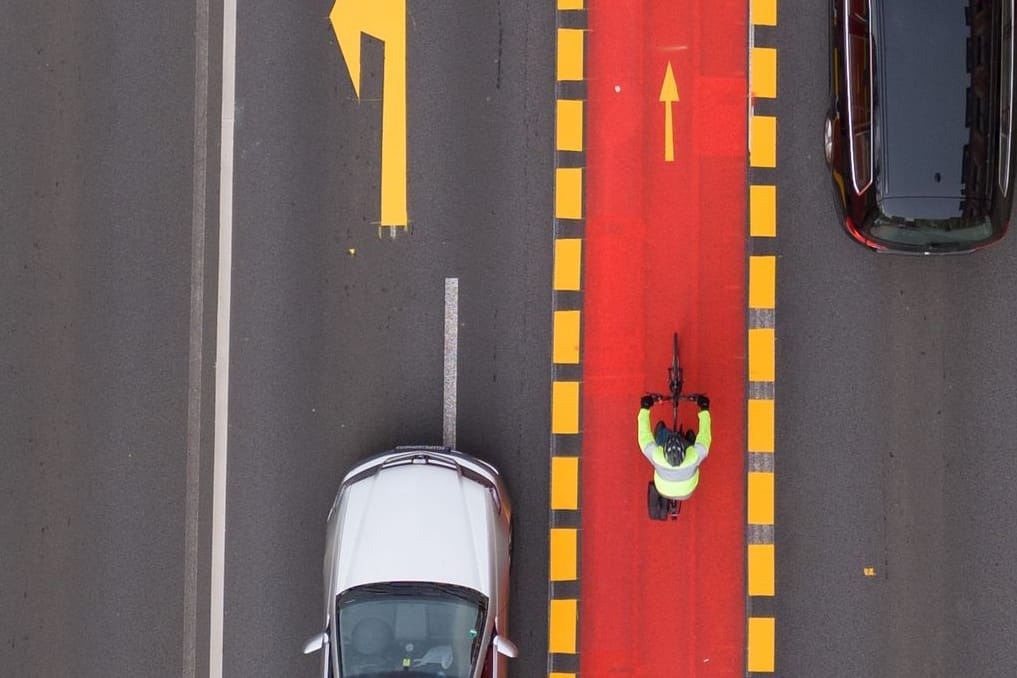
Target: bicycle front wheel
{"x": 674, "y": 357}
{"x": 675, "y": 371}
{"x": 676, "y": 381}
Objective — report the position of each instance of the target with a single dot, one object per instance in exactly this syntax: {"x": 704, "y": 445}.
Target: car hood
{"x": 415, "y": 522}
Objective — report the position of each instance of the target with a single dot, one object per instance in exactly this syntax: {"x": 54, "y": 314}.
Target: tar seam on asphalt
{"x": 195, "y": 367}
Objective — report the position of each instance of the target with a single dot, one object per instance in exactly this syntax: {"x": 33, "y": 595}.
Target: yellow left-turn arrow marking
{"x": 668, "y": 95}
{"x": 386, "y": 21}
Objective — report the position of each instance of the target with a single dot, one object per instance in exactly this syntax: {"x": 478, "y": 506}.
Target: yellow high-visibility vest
{"x": 677, "y": 482}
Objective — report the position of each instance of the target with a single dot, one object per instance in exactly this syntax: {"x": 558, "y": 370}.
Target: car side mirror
{"x": 316, "y": 642}
{"x": 505, "y": 646}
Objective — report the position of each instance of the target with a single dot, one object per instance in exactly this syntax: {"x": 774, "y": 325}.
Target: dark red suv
{"x": 919, "y": 134}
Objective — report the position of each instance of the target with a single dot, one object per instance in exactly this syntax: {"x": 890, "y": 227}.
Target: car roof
{"x": 922, "y": 83}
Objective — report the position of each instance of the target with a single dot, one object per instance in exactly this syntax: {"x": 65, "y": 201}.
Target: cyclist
{"x": 675, "y": 459}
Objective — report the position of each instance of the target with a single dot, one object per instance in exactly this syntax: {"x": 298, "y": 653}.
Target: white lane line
{"x": 451, "y": 361}
{"x": 195, "y": 366}
{"x": 222, "y": 341}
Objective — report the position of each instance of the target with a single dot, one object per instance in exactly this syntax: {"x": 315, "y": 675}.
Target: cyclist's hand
{"x": 703, "y": 402}
{"x": 646, "y": 402}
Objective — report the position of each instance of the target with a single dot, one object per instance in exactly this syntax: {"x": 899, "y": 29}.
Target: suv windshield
{"x": 409, "y": 630}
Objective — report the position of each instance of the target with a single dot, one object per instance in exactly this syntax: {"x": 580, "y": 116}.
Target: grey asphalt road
{"x": 337, "y": 335}
{"x": 96, "y": 149}
{"x": 896, "y": 387}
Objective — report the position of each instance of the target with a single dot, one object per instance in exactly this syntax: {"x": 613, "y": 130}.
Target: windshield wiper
{"x": 460, "y": 592}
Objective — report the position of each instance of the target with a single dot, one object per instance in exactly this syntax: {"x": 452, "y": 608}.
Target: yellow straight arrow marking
{"x": 386, "y": 21}
{"x": 668, "y": 95}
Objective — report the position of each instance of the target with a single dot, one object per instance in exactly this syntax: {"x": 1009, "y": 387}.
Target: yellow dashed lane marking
{"x": 565, "y": 483}
{"x": 761, "y": 643}
{"x": 568, "y": 194}
{"x": 565, "y": 407}
{"x": 566, "y": 337}
{"x": 562, "y": 626}
{"x": 760, "y": 500}
{"x": 762, "y": 342}
{"x": 569, "y": 129}
{"x": 764, "y": 72}
{"x": 761, "y": 354}
{"x": 764, "y": 12}
{"x": 563, "y": 554}
{"x": 763, "y": 151}
{"x": 570, "y": 54}
{"x": 762, "y": 282}
{"x": 760, "y": 425}
{"x": 565, "y": 395}
{"x": 568, "y": 258}
{"x": 761, "y": 570}
{"x": 763, "y": 211}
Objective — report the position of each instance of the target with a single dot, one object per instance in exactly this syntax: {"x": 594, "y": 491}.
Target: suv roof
{"x": 925, "y": 132}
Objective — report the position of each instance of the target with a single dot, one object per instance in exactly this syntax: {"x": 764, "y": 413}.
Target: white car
{"x": 416, "y": 569}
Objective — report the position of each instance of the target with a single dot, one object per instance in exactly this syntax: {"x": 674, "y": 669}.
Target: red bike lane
{"x": 665, "y": 251}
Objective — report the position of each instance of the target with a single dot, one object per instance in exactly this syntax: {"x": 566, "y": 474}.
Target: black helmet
{"x": 674, "y": 448}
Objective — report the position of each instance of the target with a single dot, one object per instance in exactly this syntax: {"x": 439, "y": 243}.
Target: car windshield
{"x": 929, "y": 233}
{"x": 409, "y": 630}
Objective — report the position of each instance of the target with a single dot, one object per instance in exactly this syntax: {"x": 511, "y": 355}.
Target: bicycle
{"x": 675, "y": 382}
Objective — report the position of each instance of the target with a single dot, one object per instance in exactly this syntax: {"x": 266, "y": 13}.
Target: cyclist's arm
{"x": 646, "y": 442}
{"x": 705, "y": 434}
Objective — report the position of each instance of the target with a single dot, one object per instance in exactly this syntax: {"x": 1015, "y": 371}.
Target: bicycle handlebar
{"x": 660, "y": 397}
